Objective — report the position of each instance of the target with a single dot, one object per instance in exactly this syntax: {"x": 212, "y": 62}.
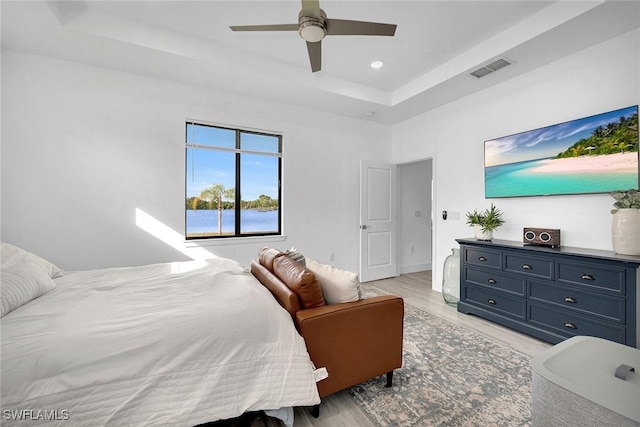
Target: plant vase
{"x": 625, "y": 231}
{"x": 481, "y": 234}
{"x": 451, "y": 278}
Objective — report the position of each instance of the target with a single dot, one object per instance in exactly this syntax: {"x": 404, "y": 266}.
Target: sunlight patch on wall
{"x": 169, "y": 236}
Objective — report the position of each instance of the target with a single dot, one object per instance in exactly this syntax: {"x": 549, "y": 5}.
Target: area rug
{"x": 450, "y": 376}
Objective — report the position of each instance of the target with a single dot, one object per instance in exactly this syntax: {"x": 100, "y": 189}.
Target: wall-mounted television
{"x": 595, "y": 154}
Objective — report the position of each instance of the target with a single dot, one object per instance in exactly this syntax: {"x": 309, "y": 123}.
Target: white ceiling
{"x": 427, "y": 63}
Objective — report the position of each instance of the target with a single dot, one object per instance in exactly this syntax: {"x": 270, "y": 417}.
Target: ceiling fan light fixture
{"x": 311, "y": 32}
{"x": 312, "y": 28}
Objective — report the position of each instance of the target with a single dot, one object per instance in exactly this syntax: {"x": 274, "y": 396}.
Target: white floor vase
{"x": 625, "y": 231}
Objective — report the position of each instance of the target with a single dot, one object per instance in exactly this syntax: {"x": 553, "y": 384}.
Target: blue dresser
{"x": 550, "y": 293}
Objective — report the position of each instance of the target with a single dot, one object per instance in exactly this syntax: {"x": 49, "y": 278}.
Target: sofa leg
{"x": 389, "y": 379}
{"x": 315, "y": 411}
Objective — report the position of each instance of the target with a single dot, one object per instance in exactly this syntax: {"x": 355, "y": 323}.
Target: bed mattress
{"x": 165, "y": 344}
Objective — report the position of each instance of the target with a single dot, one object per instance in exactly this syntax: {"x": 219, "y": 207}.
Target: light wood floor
{"x": 340, "y": 410}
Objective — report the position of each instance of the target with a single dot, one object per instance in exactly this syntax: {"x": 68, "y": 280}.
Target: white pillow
{"x": 20, "y": 283}
{"x": 11, "y": 255}
{"x": 337, "y": 285}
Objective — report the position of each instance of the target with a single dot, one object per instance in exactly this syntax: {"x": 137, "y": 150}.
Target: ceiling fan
{"x": 313, "y": 25}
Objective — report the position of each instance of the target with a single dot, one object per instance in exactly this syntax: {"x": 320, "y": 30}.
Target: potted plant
{"x": 625, "y": 224}
{"x": 484, "y": 222}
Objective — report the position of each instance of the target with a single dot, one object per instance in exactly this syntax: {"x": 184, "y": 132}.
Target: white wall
{"x": 414, "y": 216}
{"x": 599, "y": 79}
{"x": 85, "y": 148}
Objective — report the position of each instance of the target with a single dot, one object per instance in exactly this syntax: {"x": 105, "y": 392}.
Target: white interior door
{"x": 378, "y": 222}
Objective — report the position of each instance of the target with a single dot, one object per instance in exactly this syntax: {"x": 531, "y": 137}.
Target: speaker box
{"x": 541, "y": 236}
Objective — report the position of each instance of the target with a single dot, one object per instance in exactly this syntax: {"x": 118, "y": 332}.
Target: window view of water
{"x": 205, "y": 221}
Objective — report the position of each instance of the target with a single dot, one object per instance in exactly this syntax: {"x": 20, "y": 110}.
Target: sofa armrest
{"x": 285, "y": 296}
{"x": 355, "y": 341}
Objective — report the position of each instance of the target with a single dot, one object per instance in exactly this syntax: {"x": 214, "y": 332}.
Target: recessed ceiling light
{"x": 377, "y": 64}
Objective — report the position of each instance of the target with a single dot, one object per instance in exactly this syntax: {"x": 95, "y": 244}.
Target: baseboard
{"x": 405, "y": 269}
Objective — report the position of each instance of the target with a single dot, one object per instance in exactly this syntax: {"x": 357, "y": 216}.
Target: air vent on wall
{"x": 490, "y": 68}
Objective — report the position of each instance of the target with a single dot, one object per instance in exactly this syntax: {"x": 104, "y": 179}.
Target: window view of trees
{"x": 217, "y": 197}
{"x": 232, "y": 182}
{"x": 615, "y": 137}
{"x": 214, "y": 197}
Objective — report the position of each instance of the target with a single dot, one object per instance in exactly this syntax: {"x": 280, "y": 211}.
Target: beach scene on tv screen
{"x": 596, "y": 154}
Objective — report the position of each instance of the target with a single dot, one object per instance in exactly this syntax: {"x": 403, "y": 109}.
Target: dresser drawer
{"x": 551, "y": 294}
{"x": 530, "y": 266}
{"x": 567, "y": 323}
{"x": 589, "y": 304}
{"x": 596, "y": 276}
{"x": 484, "y": 257}
{"x": 494, "y": 280}
{"x": 495, "y": 301}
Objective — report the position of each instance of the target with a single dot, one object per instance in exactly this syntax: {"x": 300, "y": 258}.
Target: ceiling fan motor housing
{"x": 312, "y": 28}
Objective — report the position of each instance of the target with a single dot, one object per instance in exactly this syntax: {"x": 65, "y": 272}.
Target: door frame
{"x": 434, "y": 221}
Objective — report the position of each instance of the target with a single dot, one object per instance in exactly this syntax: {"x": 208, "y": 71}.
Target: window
{"x": 232, "y": 182}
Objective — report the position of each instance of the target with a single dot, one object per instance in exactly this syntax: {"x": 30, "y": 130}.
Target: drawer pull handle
{"x": 492, "y": 301}
{"x": 572, "y": 300}
{"x": 492, "y": 281}
{"x": 481, "y": 258}
{"x": 570, "y": 325}
{"x": 526, "y": 267}
{"x": 586, "y": 276}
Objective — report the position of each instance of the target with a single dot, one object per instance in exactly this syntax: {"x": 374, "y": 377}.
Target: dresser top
{"x": 563, "y": 250}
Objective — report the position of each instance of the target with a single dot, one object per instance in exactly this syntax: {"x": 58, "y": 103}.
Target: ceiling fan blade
{"x": 311, "y": 7}
{"x": 345, "y": 27}
{"x": 274, "y": 27}
{"x": 315, "y": 55}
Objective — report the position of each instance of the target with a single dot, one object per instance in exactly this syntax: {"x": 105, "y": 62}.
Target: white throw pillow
{"x": 337, "y": 285}
{"x": 11, "y": 255}
{"x": 20, "y": 283}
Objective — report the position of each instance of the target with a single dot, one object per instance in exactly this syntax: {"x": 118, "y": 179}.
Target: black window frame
{"x": 238, "y": 173}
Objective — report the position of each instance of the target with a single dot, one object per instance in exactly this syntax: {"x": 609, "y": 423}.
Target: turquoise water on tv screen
{"x": 517, "y": 179}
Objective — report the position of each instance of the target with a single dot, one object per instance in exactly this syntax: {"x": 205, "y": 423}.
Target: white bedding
{"x": 169, "y": 344}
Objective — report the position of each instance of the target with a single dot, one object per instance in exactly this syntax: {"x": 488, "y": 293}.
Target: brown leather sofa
{"x": 354, "y": 341}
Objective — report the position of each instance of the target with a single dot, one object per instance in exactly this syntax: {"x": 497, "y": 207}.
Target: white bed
{"x": 168, "y": 344}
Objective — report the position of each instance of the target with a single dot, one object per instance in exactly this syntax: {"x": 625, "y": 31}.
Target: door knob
{"x": 363, "y": 227}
